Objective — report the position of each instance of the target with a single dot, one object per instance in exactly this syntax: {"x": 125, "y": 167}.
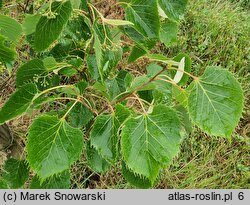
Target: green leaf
{"x": 113, "y": 88}
{"x": 135, "y": 180}
{"x": 144, "y": 16}
{"x": 34, "y": 71}
{"x": 123, "y": 80}
{"x": 92, "y": 67}
{"x": 110, "y": 60}
{"x": 53, "y": 145}
{"x": 99, "y": 55}
{"x": 48, "y": 29}
{"x": 168, "y": 32}
{"x": 75, "y": 4}
{"x": 162, "y": 58}
{"x": 84, "y": 5}
{"x": 180, "y": 95}
{"x": 136, "y": 53}
{"x": 59, "y": 181}
{"x": 150, "y": 141}
{"x": 76, "y": 62}
{"x": 139, "y": 82}
{"x": 121, "y": 113}
{"x": 81, "y": 86}
{"x": 174, "y": 9}
{"x": 101, "y": 88}
{"x": 163, "y": 90}
{"x": 95, "y": 160}
{"x": 30, "y": 22}
{"x": 16, "y": 173}
{"x": 153, "y": 69}
{"x": 10, "y": 28}
{"x": 184, "y": 118}
{"x": 117, "y": 22}
{"x": 69, "y": 91}
{"x": 6, "y": 54}
{"x": 103, "y": 136}
{"x": 30, "y": 72}
{"x": 143, "y": 43}
{"x": 69, "y": 72}
{"x": 147, "y": 95}
{"x": 215, "y": 102}
{"x": 50, "y": 63}
{"x": 77, "y": 29}
{"x": 18, "y": 103}
{"x": 62, "y": 49}
{"x": 79, "y": 116}
{"x": 119, "y": 84}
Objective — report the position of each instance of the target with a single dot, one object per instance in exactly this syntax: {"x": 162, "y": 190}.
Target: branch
{"x": 139, "y": 88}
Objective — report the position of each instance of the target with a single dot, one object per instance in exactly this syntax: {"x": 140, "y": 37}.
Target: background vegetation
{"x": 214, "y": 32}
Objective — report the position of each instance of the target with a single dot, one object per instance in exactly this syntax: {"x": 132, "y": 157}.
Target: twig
{"x": 140, "y": 102}
{"x": 63, "y": 118}
{"x": 192, "y": 76}
{"x": 139, "y": 88}
{"x": 88, "y": 107}
{"x": 26, "y": 6}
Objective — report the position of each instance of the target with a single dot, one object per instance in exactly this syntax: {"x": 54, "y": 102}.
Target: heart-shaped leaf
{"x": 215, "y": 102}
{"x": 150, "y": 141}
{"x": 53, "y": 145}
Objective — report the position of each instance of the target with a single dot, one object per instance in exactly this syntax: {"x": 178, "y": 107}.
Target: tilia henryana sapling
{"x": 86, "y": 102}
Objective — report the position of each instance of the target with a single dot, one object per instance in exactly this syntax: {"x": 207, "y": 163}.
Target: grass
{"x": 207, "y": 162}
{"x": 243, "y": 3}
{"x": 215, "y": 32}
